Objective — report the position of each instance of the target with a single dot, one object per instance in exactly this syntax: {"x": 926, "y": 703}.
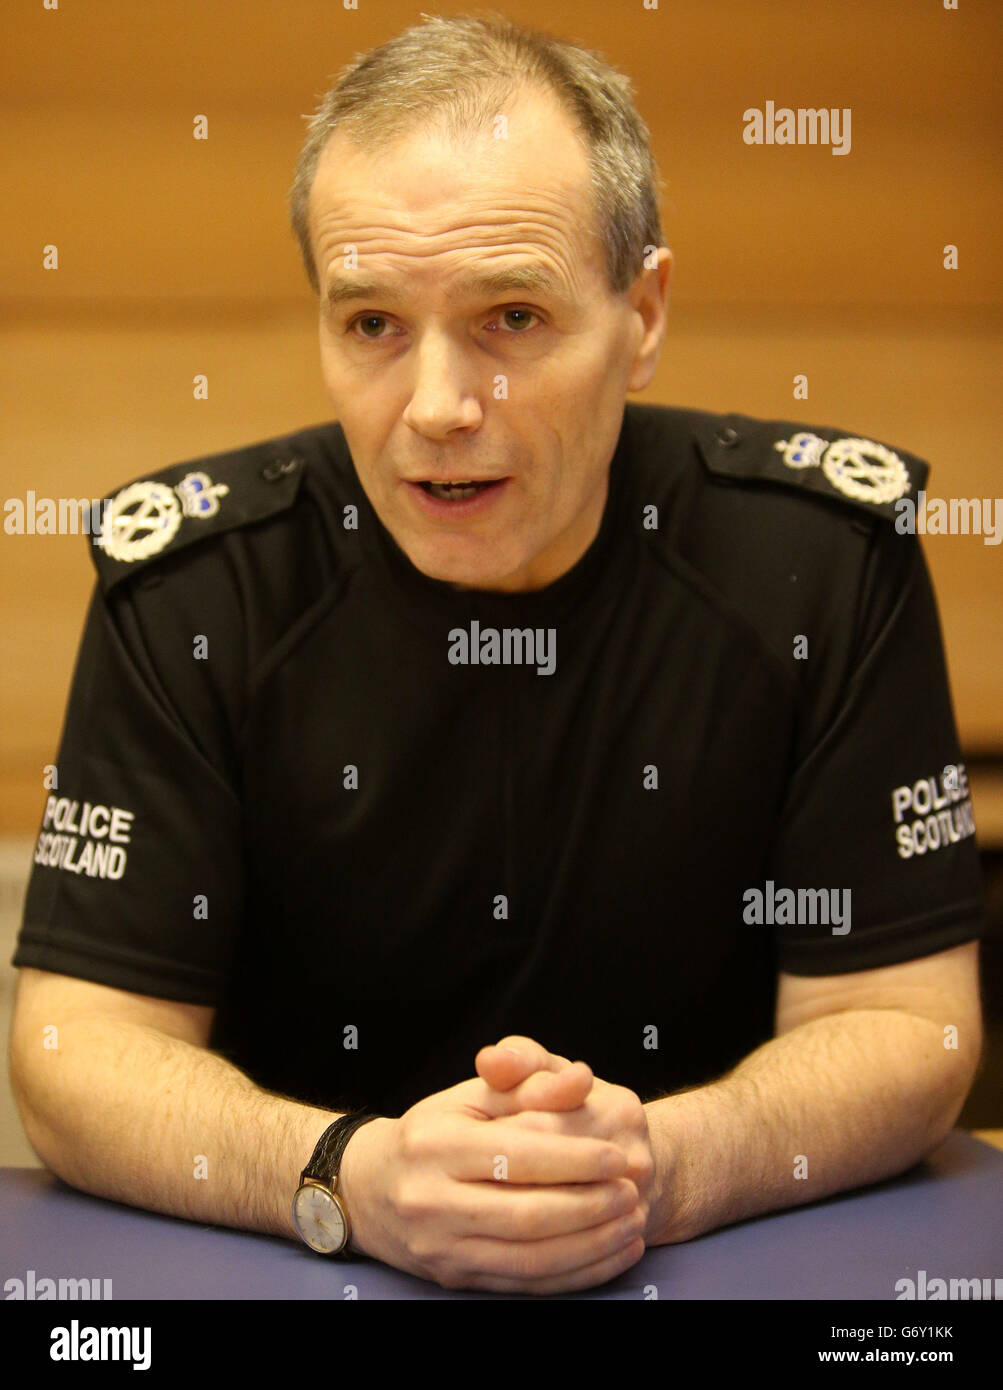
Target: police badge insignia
{"x": 200, "y": 495}
{"x": 827, "y": 462}
{"x": 144, "y": 517}
{"x": 186, "y": 503}
{"x": 141, "y": 520}
{"x": 860, "y": 468}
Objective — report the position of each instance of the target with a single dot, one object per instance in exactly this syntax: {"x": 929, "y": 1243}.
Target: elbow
{"x": 31, "y": 1108}
{"x": 948, "y": 1086}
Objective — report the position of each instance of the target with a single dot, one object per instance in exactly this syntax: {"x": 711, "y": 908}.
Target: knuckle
{"x": 629, "y": 1107}
{"x": 617, "y": 1203}
{"x": 413, "y": 1201}
{"x": 640, "y": 1163}
{"x": 604, "y": 1208}
{"x": 423, "y": 1247}
{"x": 635, "y": 1193}
{"x": 416, "y": 1141}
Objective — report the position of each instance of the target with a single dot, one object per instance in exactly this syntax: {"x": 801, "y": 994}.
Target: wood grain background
{"x": 175, "y": 258}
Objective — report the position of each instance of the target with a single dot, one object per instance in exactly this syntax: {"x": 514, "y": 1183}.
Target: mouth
{"x": 456, "y": 497}
{"x": 458, "y": 491}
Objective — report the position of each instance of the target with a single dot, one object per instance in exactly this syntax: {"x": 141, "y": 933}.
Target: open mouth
{"x": 458, "y": 491}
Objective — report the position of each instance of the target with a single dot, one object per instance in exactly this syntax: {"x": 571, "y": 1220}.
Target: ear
{"x": 649, "y": 298}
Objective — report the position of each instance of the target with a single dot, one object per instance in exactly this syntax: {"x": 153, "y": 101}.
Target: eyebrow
{"x": 533, "y": 278}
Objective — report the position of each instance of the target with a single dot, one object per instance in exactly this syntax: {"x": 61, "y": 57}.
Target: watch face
{"x": 319, "y": 1219}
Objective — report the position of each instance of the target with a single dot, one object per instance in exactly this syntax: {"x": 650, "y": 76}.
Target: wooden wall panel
{"x": 176, "y": 258}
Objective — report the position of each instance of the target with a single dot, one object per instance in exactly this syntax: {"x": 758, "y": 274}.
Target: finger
{"x": 543, "y": 1090}
{"x": 589, "y": 1276}
{"x": 555, "y": 1256}
{"x": 542, "y": 1056}
{"x": 526, "y": 1212}
{"x": 599, "y": 1120}
{"x": 578, "y": 1124}
{"x": 534, "y": 1053}
{"x": 584, "y": 1120}
{"x": 476, "y": 1098}
{"x": 506, "y": 1152}
{"x": 502, "y": 1068}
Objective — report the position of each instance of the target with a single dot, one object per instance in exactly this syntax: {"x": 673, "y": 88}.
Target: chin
{"x": 471, "y": 572}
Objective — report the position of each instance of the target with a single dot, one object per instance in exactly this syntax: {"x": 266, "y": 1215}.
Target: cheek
{"x": 328, "y": 371}
{"x": 334, "y": 361}
{"x": 332, "y": 354}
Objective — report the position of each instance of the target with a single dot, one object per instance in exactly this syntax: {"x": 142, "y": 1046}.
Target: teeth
{"x": 453, "y": 491}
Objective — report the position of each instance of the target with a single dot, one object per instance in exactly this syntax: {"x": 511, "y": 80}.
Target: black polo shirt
{"x": 379, "y": 822}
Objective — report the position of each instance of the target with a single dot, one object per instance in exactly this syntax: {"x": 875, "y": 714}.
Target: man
{"x": 498, "y": 710}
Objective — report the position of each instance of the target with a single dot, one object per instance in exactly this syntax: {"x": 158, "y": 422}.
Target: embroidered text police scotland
{"x": 506, "y": 646}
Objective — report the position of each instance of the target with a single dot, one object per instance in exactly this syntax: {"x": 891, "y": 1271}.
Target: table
{"x": 944, "y": 1216}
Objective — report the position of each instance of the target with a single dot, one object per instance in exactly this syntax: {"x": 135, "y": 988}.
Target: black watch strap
{"x": 326, "y": 1158}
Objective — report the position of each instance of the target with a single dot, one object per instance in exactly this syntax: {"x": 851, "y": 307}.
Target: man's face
{"x": 517, "y": 387}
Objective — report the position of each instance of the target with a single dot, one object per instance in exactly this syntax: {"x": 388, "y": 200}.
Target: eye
{"x": 526, "y": 314}
{"x": 521, "y": 328}
{"x": 367, "y": 319}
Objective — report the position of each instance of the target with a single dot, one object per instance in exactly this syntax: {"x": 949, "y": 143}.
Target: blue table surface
{"x": 943, "y": 1216}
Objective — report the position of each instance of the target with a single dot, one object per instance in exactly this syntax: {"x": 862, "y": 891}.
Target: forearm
{"x": 130, "y": 1113}
{"x": 840, "y": 1102}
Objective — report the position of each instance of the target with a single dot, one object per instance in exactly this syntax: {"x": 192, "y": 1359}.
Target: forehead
{"x": 426, "y": 201}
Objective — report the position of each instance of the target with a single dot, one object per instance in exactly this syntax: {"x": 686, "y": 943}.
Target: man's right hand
{"x": 470, "y": 1202}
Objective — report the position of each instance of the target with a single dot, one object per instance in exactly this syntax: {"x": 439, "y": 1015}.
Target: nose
{"x": 443, "y": 399}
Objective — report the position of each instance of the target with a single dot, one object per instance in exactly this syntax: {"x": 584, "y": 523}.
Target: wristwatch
{"x": 319, "y": 1212}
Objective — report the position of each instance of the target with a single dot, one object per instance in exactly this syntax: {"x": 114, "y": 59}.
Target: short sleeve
{"x": 876, "y": 859}
{"x": 137, "y": 875}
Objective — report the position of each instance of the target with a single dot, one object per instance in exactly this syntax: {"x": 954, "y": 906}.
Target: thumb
{"x": 510, "y": 1061}
{"x": 528, "y": 1077}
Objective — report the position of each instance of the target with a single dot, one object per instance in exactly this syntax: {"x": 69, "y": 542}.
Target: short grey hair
{"x": 458, "y": 71}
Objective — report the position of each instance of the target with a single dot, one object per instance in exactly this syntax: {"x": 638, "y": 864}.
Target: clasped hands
{"x": 535, "y": 1176}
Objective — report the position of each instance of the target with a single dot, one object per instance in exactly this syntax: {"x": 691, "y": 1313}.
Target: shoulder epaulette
{"x": 845, "y": 468}
{"x": 187, "y": 502}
